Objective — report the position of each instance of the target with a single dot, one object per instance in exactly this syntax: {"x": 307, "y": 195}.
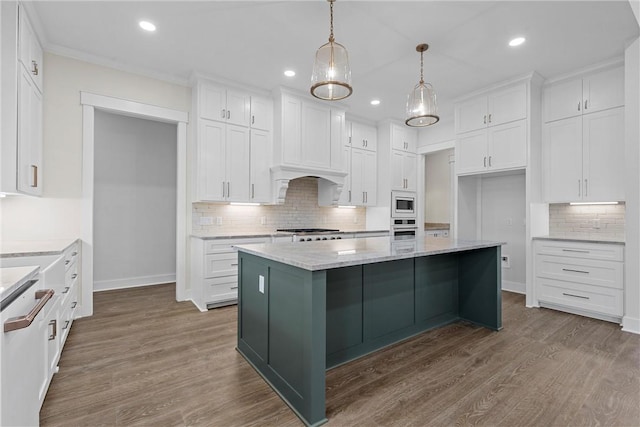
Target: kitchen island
{"x": 304, "y": 308}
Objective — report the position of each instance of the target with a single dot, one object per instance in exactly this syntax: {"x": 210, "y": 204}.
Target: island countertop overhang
{"x": 329, "y": 254}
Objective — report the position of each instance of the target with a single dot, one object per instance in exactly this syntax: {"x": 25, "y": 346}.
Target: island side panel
{"x": 344, "y": 310}
{"x": 437, "y": 290}
{"x": 294, "y": 328}
{"x": 480, "y": 286}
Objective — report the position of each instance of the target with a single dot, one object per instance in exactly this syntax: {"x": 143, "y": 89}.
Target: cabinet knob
{"x": 484, "y": 120}
{"x": 585, "y": 104}
{"x": 228, "y": 114}
{"x": 485, "y": 161}
{"x": 489, "y": 156}
{"x": 223, "y": 113}
{"x": 253, "y": 120}
{"x": 578, "y": 105}
{"x": 34, "y": 180}
{"x": 489, "y": 118}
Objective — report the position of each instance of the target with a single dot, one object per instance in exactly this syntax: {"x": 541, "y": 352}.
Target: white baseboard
{"x": 630, "y": 324}
{"x": 133, "y": 282}
{"x": 518, "y": 288}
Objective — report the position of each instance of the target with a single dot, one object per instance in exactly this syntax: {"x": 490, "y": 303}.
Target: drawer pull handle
{"x": 66, "y": 289}
{"x": 233, "y": 287}
{"x": 74, "y": 275}
{"x": 575, "y": 271}
{"x": 575, "y": 296}
{"x": 67, "y": 262}
{"x": 66, "y": 325}
{"x": 74, "y": 253}
{"x": 53, "y": 335}
{"x": 21, "y": 322}
{"x": 234, "y": 265}
{"x": 74, "y": 304}
{"x": 575, "y": 250}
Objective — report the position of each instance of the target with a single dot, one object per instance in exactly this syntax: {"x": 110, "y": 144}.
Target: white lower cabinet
{"x": 214, "y": 270}
{"x": 580, "y": 277}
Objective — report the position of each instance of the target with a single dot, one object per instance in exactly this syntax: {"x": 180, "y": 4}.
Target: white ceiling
{"x": 253, "y": 42}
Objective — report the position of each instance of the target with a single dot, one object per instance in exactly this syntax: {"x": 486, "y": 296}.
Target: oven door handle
{"x": 22, "y": 322}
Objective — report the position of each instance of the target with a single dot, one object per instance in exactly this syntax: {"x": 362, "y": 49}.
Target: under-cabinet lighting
{"x": 2, "y": 195}
{"x": 147, "y": 26}
{"x": 517, "y": 41}
{"x": 347, "y": 252}
{"x": 346, "y": 207}
{"x": 592, "y": 203}
{"x": 244, "y": 204}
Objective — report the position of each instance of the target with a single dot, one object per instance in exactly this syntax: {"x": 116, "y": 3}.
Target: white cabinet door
{"x": 603, "y": 156}
{"x": 603, "y": 90}
{"x": 357, "y": 174}
{"x": 471, "y": 152}
{"x": 316, "y": 136}
{"x": 471, "y": 115}
{"x": 403, "y": 138}
{"x": 409, "y": 171}
{"x": 338, "y": 139}
{"x": 507, "y": 146}
{"x": 211, "y": 161}
{"x": 370, "y": 178}
{"x": 345, "y": 196}
{"x": 30, "y": 51}
{"x": 397, "y": 174}
{"x": 507, "y": 105}
{"x": 563, "y": 100}
{"x": 291, "y": 130}
{"x": 237, "y": 163}
{"x": 260, "y": 166}
{"x": 212, "y": 102}
{"x": 29, "y": 136}
{"x": 562, "y": 160}
{"x": 238, "y": 108}
{"x": 363, "y": 136}
{"x": 261, "y": 113}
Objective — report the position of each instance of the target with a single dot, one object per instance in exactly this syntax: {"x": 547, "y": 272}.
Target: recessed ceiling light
{"x": 147, "y": 26}
{"x": 375, "y": 102}
{"x": 289, "y": 73}
{"x": 517, "y": 41}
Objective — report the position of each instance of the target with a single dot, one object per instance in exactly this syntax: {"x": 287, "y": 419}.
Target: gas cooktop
{"x": 308, "y": 230}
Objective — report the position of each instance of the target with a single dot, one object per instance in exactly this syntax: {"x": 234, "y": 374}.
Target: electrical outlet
{"x": 206, "y": 220}
{"x": 261, "y": 284}
{"x": 218, "y": 220}
{"x": 505, "y": 261}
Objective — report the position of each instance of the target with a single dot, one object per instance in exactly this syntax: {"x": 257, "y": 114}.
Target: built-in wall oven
{"x": 402, "y": 229}
{"x": 403, "y": 204}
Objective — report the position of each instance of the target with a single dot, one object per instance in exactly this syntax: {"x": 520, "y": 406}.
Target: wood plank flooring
{"x": 144, "y": 359}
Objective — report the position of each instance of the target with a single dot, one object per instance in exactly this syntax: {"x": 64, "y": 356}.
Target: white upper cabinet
{"x": 582, "y": 157}
{"x": 493, "y": 109}
{"x": 308, "y": 134}
{"x": 30, "y": 51}
{"x": 583, "y": 95}
{"x": 260, "y": 166}
{"x": 29, "y": 179}
{"x": 363, "y": 177}
{"x": 403, "y": 171}
{"x": 403, "y": 138}
{"x": 224, "y": 105}
{"x": 492, "y": 131}
{"x": 345, "y": 195}
{"x": 261, "y": 113}
{"x": 363, "y": 136}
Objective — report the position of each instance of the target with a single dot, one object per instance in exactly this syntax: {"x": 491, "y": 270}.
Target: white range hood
{"x": 330, "y": 183}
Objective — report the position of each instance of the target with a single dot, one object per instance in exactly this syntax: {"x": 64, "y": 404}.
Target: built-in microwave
{"x": 403, "y": 204}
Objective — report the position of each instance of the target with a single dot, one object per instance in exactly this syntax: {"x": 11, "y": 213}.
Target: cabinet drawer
{"x": 222, "y": 264}
{"x": 593, "y": 272}
{"x": 600, "y": 251}
{"x": 220, "y": 288}
{"x": 226, "y": 245}
{"x": 585, "y": 297}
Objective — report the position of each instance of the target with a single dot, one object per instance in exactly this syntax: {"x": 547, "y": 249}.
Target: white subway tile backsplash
{"x": 567, "y": 219}
{"x": 300, "y": 209}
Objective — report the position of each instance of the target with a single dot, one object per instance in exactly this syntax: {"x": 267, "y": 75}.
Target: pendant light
{"x": 331, "y": 78}
{"x": 422, "y": 109}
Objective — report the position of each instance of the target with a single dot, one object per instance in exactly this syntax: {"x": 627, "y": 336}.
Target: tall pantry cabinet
{"x": 22, "y": 92}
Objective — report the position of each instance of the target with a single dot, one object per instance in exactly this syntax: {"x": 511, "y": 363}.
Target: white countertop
{"x": 20, "y": 248}
{"x": 576, "y": 237}
{"x": 327, "y": 254}
{"x": 206, "y": 236}
{"x": 11, "y": 278}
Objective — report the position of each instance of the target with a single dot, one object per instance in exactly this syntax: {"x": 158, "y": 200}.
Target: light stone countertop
{"x": 22, "y": 248}
{"x": 576, "y": 237}
{"x": 327, "y": 254}
{"x": 11, "y": 278}
{"x": 206, "y": 236}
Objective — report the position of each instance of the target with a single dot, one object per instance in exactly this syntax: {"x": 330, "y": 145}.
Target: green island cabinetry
{"x": 305, "y": 308}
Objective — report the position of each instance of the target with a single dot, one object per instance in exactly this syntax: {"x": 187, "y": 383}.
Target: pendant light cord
{"x": 331, "y": 39}
{"x": 421, "y": 68}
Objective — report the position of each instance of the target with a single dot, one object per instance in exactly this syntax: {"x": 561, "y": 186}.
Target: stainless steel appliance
{"x": 403, "y": 229}
{"x": 403, "y": 204}
{"x": 312, "y": 234}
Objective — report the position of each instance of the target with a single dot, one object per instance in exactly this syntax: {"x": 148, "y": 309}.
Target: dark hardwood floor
{"x": 144, "y": 359}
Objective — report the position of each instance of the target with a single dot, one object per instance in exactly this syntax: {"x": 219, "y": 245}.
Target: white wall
{"x": 631, "y": 319}
{"x": 437, "y": 194}
{"x": 503, "y": 219}
{"x": 57, "y": 213}
{"x": 134, "y": 201}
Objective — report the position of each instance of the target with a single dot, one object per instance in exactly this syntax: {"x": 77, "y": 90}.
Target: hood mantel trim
{"x": 329, "y": 188}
